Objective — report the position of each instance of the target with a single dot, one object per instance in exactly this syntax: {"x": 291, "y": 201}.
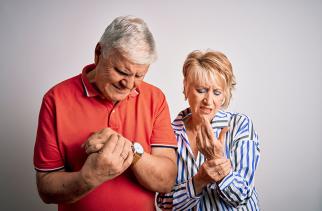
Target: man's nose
{"x": 128, "y": 82}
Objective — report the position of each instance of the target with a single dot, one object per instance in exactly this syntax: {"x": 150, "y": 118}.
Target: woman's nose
{"x": 207, "y": 99}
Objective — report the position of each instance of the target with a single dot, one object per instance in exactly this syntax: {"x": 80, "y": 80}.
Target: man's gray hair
{"x": 131, "y": 37}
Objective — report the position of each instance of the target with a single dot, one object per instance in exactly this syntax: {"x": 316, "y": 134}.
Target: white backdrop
{"x": 275, "y": 48}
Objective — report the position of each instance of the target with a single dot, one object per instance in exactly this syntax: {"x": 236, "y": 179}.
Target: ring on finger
{"x": 123, "y": 155}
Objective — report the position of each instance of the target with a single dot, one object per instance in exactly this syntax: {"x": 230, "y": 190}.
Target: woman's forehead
{"x": 207, "y": 80}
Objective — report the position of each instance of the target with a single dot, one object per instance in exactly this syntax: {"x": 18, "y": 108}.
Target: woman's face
{"x": 205, "y": 99}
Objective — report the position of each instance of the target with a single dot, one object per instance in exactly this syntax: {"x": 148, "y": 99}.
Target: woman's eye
{"x": 202, "y": 90}
{"x": 139, "y": 76}
{"x": 217, "y": 92}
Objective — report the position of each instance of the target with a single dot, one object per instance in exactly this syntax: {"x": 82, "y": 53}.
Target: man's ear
{"x": 98, "y": 52}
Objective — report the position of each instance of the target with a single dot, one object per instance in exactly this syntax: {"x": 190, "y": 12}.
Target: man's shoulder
{"x": 66, "y": 87}
{"x": 150, "y": 95}
{"x": 149, "y": 89}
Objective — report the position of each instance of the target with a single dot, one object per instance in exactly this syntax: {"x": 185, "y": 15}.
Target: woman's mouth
{"x": 206, "y": 110}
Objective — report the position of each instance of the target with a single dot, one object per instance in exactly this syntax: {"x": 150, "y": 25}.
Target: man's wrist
{"x": 137, "y": 152}
{"x": 86, "y": 180}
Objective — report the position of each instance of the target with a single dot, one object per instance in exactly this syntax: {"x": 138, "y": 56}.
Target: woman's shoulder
{"x": 241, "y": 126}
{"x": 236, "y": 116}
{"x": 177, "y": 123}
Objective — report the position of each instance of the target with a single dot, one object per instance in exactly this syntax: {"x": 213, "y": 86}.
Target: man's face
{"x": 116, "y": 76}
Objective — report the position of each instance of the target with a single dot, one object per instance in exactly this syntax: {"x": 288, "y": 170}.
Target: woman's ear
{"x": 185, "y": 89}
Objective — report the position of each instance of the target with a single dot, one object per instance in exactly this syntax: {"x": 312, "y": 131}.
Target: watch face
{"x": 138, "y": 148}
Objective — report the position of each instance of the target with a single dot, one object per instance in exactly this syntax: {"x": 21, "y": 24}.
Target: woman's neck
{"x": 192, "y": 124}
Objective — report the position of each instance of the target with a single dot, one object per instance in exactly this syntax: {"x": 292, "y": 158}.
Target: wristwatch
{"x": 137, "y": 152}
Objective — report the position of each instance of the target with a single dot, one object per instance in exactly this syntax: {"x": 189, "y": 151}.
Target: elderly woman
{"x": 218, "y": 151}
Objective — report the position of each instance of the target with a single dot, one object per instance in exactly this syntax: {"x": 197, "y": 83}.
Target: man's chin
{"x": 118, "y": 97}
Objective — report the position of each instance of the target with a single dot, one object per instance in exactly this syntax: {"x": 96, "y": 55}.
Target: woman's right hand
{"x": 211, "y": 171}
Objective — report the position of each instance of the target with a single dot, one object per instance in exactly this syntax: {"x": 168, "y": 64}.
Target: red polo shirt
{"x": 72, "y": 110}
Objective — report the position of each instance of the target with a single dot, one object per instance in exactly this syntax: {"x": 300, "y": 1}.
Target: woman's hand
{"x": 211, "y": 171}
{"x": 207, "y": 144}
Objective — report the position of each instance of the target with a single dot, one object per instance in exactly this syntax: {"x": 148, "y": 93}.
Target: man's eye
{"x": 202, "y": 90}
{"x": 120, "y": 71}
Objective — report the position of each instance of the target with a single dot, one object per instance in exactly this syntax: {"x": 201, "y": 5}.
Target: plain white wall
{"x": 275, "y": 48}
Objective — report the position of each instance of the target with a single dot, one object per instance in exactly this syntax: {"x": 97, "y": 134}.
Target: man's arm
{"x": 106, "y": 164}
{"x": 61, "y": 187}
{"x": 157, "y": 171}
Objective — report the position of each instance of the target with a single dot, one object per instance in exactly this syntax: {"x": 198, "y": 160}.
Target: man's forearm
{"x": 61, "y": 187}
{"x": 156, "y": 173}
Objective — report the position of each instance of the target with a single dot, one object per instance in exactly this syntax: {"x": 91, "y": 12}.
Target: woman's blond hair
{"x": 206, "y": 66}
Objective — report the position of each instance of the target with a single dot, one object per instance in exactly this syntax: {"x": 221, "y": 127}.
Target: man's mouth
{"x": 120, "y": 90}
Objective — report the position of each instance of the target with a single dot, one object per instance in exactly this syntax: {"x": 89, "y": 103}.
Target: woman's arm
{"x": 237, "y": 187}
{"x": 182, "y": 197}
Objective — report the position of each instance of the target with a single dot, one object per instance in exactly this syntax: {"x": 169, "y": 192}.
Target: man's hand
{"x": 159, "y": 167}
{"x": 113, "y": 156}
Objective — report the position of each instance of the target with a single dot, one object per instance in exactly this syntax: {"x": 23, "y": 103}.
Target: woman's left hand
{"x": 207, "y": 144}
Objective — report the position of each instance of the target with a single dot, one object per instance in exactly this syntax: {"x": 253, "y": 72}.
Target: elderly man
{"x": 107, "y": 104}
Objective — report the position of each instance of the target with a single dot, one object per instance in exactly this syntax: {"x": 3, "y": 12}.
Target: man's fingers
{"x": 110, "y": 144}
{"x": 128, "y": 160}
{"x": 99, "y": 137}
{"x": 119, "y": 145}
{"x": 222, "y": 134}
{"x": 94, "y": 148}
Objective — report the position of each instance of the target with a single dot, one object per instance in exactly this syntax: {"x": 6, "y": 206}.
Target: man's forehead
{"x": 126, "y": 65}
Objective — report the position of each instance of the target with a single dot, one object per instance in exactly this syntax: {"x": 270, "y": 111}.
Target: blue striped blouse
{"x": 237, "y": 190}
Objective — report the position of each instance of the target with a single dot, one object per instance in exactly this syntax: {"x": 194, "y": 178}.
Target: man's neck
{"x": 91, "y": 76}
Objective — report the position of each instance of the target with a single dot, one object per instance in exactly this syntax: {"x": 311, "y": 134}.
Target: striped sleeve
{"x": 182, "y": 197}
{"x": 237, "y": 187}
{"x": 165, "y": 200}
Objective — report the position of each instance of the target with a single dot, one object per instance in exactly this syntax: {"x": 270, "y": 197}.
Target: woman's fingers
{"x": 218, "y": 169}
{"x": 222, "y": 135}
{"x": 209, "y": 130}
{"x": 199, "y": 141}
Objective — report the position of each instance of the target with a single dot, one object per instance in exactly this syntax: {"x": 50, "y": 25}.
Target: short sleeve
{"x": 162, "y": 134}
{"x": 47, "y": 155}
